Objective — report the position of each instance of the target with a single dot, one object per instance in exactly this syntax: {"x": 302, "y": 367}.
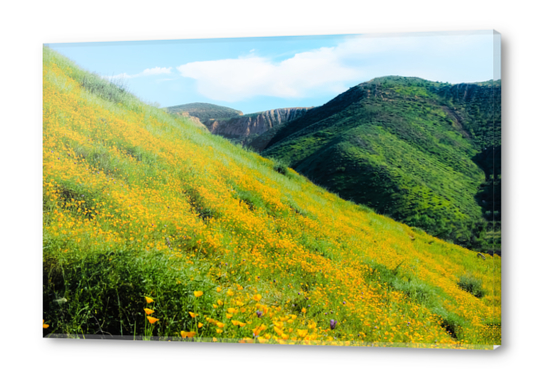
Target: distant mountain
{"x": 422, "y": 152}
{"x": 241, "y": 127}
{"x": 204, "y": 111}
{"x": 233, "y": 124}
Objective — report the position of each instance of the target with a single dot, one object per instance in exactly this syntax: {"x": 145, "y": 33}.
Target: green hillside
{"x": 205, "y": 111}
{"x": 418, "y": 151}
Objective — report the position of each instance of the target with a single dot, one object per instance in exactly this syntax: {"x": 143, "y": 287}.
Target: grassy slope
{"x": 403, "y": 146}
{"x": 139, "y": 203}
{"x": 205, "y": 112}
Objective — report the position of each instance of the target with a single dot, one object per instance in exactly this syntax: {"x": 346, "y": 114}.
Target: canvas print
{"x": 310, "y": 190}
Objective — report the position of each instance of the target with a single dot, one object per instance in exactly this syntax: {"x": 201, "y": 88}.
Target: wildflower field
{"x": 154, "y": 228}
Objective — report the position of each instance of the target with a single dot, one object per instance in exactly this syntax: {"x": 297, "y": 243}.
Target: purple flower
{"x": 344, "y": 302}
{"x": 332, "y": 324}
{"x": 259, "y": 313}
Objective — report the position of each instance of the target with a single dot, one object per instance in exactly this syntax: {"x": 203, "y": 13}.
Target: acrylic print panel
{"x": 314, "y": 190}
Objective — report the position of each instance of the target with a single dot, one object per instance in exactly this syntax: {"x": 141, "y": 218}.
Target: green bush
{"x": 472, "y": 285}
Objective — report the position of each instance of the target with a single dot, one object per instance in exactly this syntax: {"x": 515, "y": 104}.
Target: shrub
{"x": 472, "y": 285}
{"x": 281, "y": 168}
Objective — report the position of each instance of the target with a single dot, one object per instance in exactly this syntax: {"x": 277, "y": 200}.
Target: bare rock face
{"x": 253, "y": 124}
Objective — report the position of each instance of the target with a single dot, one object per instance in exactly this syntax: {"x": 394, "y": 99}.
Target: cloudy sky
{"x": 256, "y": 74}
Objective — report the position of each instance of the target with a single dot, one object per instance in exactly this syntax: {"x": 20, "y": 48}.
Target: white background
{"x": 25, "y": 26}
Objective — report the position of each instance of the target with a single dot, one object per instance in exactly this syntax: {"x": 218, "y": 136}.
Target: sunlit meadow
{"x": 154, "y": 228}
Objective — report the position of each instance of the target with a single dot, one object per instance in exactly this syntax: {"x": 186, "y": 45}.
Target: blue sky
{"x": 256, "y": 74}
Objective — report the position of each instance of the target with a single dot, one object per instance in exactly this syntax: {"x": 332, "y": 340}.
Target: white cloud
{"x": 245, "y": 77}
{"x": 146, "y": 72}
{"x": 331, "y": 70}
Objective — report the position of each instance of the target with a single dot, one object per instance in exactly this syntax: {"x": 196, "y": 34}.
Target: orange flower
{"x": 193, "y": 315}
{"x": 187, "y": 334}
{"x": 258, "y": 329}
{"x": 198, "y": 293}
{"x": 149, "y": 300}
{"x": 151, "y": 319}
{"x": 45, "y": 326}
{"x": 200, "y": 324}
{"x": 257, "y": 297}
{"x": 302, "y": 333}
{"x": 148, "y": 311}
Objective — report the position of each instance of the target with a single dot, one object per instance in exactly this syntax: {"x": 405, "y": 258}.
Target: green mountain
{"x": 206, "y": 112}
{"x": 424, "y": 153}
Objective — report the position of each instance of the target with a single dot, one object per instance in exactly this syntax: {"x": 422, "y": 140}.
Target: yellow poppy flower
{"x": 220, "y": 302}
{"x": 218, "y": 289}
{"x": 219, "y": 331}
{"x": 302, "y": 333}
{"x": 200, "y": 324}
{"x": 198, "y": 293}
{"x": 232, "y": 310}
{"x": 187, "y": 334}
{"x": 148, "y": 311}
{"x": 230, "y": 292}
{"x": 149, "y": 300}
{"x": 45, "y": 326}
{"x": 229, "y": 315}
{"x": 257, "y": 297}
{"x": 151, "y": 319}
{"x": 193, "y": 315}
{"x": 219, "y": 324}
{"x": 304, "y": 310}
